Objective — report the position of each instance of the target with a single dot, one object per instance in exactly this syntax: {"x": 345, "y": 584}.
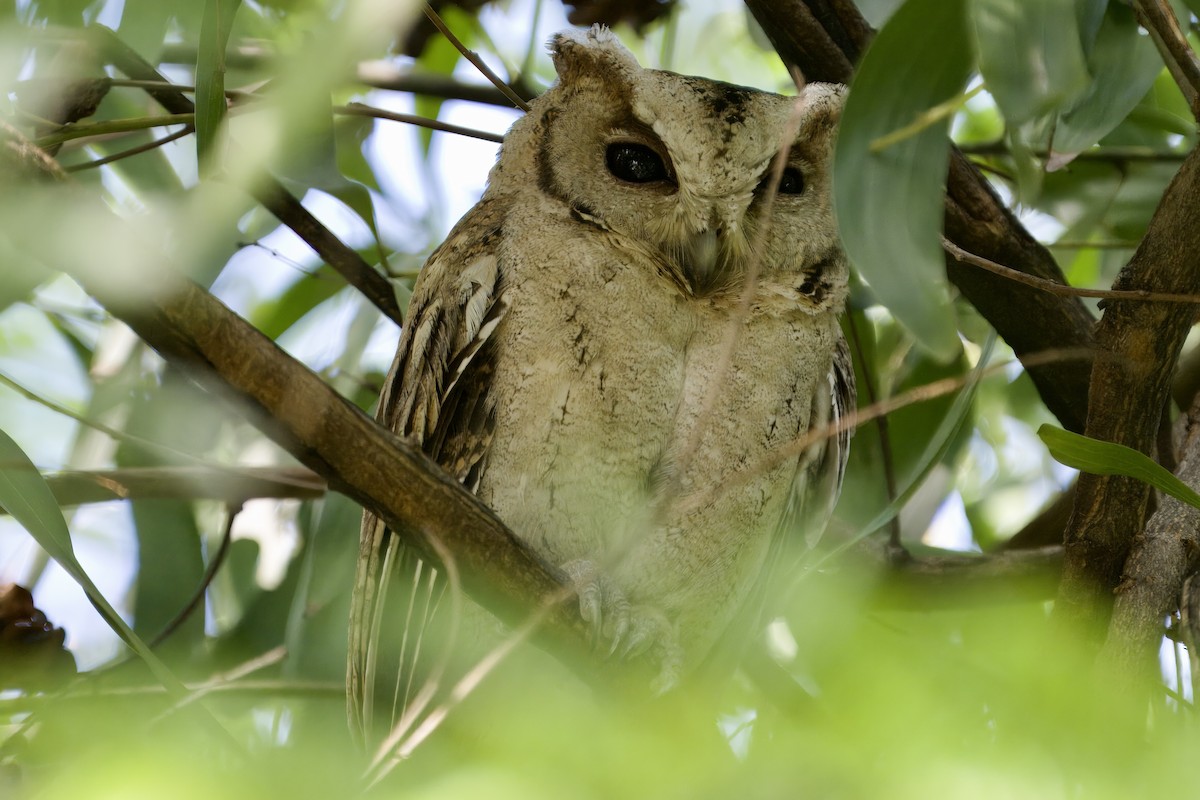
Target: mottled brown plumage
{"x": 608, "y": 349}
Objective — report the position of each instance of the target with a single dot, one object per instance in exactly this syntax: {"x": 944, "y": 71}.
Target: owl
{"x": 612, "y": 348}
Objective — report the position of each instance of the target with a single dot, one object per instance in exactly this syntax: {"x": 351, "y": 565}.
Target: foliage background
{"x": 919, "y": 685}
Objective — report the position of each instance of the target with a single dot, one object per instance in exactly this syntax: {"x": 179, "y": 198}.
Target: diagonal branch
{"x": 200, "y": 336}
{"x": 1158, "y": 18}
{"x": 824, "y": 38}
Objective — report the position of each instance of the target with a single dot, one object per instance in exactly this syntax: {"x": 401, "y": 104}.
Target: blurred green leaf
{"x": 1108, "y": 458}
{"x": 276, "y": 315}
{"x": 1123, "y": 65}
{"x": 169, "y": 543}
{"x": 19, "y": 276}
{"x": 145, "y": 23}
{"x": 889, "y": 203}
{"x": 1030, "y": 55}
{"x": 350, "y": 135}
{"x": 210, "y": 76}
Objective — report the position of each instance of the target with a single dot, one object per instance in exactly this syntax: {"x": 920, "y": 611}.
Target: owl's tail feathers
{"x": 392, "y": 669}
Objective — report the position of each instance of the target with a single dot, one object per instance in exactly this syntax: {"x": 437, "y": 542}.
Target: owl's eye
{"x": 635, "y": 163}
{"x": 791, "y": 182}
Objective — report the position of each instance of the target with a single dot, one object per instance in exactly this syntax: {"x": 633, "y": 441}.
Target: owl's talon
{"x": 631, "y": 631}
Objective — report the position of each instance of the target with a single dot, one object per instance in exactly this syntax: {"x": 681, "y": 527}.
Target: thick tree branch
{"x": 1048, "y": 527}
{"x": 369, "y": 464}
{"x": 959, "y": 581}
{"x": 824, "y": 38}
{"x": 1150, "y": 587}
{"x": 1139, "y": 345}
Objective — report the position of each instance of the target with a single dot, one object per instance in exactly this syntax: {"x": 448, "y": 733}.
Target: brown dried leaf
{"x": 32, "y": 651}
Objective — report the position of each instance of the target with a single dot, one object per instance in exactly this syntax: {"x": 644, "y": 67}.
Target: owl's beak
{"x": 704, "y": 260}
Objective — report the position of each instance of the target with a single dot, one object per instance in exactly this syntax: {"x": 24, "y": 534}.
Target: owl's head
{"x": 685, "y": 169}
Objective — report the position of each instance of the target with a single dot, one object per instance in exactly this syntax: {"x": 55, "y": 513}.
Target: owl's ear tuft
{"x": 596, "y": 51}
{"x": 822, "y": 103}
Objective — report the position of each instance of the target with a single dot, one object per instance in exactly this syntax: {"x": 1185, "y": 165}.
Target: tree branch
{"x": 232, "y": 485}
{"x": 1150, "y": 587}
{"x": 200, "y": 336}
{"x": 377, "y": 74}
{"x": 1048, "y": 527}
{"x": 1139, "y": 345}
{"x": 1158, "y": 18}
{"x": 959, "y": 581}
{"x": 824, "y": 38}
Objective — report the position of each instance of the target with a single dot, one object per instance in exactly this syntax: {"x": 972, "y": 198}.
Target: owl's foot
{"x": 626, "y": 630}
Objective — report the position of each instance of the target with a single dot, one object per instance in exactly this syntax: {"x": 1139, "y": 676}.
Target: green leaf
{"x": 1030, "y": 55}
{"x": 276, "y": 315}
{"x": 1108, "y": 458}
{"x": 26, "y": 497}
{"x": 1123, "y": 64}
{"x": 210, "y": 73}
{"x": 889, "y": 201}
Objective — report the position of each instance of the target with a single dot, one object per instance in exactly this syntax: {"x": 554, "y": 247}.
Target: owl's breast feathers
{"x": 583, "y": 352}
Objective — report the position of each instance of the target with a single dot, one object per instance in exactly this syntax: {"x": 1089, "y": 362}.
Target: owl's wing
{"x": 823, "y": 467}
{"x": 437, "y": 395}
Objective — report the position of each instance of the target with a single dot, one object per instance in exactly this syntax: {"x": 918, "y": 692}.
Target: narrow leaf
{"x": 889, "y": 200}
{"x": 25, "y": 495}
{"x": 1030, "y": 55}
{"x": 1108, "y": 458}
{"x": 210, "y": 73}
{"x": 1124, "y": 64}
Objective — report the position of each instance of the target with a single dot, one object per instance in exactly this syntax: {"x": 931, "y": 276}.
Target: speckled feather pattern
{"x": 562, "y": 345}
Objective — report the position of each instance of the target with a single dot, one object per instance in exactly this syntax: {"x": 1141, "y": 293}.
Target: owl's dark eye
{"x": 791, "y": 182}
{"x": 635, "y": 163}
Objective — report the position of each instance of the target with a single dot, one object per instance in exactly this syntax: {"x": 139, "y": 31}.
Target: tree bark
{"x": 1139, "y": 344}
{"x": 1153, "y": 578}
{"x": 824, "y": 38}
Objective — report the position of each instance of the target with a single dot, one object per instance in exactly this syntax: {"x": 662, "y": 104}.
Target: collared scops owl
{"x": 612, "y": 349}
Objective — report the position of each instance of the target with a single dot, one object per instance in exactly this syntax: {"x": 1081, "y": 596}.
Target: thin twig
{"x": 737, "y": 319}
{"x": 925, "y": 119}
{"x": 475, "y": 60}
{"x": 77, "y": 131}
{"x": 386, "y": 75}
{"x": 148, "y": 445}
{"x": 1159, "y": 19}
{"x": 32, "y": 702}
{"x": 267, "y": 659}
{"x": 362, "y": 110}
{"x": 228, "y": 484}
{"x": 1061, "y": 289}
{"x": 186, "y": 130}
{"x": 197, "y": 597}
{"x": 232, "y": 94}
{"x": 272, "y": 194}
{"x": 1118, "y": 154}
